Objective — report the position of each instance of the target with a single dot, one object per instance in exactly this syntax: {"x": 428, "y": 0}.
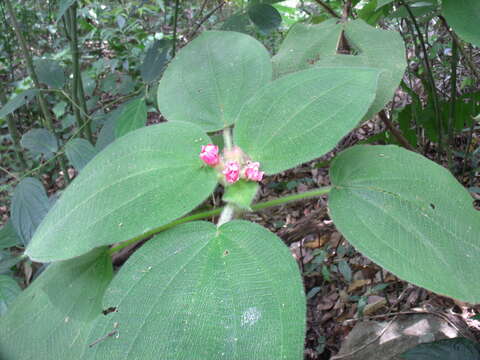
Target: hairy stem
{"x": 206, "y": 214}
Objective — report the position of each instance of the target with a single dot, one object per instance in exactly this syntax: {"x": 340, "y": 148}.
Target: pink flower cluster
{"x": 232, "y": 169}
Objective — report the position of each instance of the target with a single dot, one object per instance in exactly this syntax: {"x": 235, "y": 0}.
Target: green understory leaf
{"x": 143, "y": 180}
{"x": 79, "y": 152}
{"x": 133, "y": 117}
{"x": 234, "y": 292}
{"x": 212, "y": 77}
{"x": 50, "y": 72}
{"x": 18, "y": 101}
{"x": 303, "y": 115}
{"x": 30, "y": 204}
{"x": 9, "y": 290}
{"x": 40, "y": 141}
{"x": 410, "y": 216}
{"x": 53, "y": 317}
{"x": 265, "y": 17}
{"x": 462, "y": 16}
{"x": 447, "y": 349}
{"x": 155, "y": 60}
{"x": 8, "y": 236}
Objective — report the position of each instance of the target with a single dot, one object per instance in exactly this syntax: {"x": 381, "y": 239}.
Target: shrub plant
{"x": 199, "y": 290}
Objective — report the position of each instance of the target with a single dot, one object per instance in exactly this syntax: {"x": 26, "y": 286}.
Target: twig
{"x": 205, "y": 18}
{"x": 328, "y": 9}
{"x": 360, "y": 348}
{"x": 396, "y": 134}
{"x": 175, "y": 20}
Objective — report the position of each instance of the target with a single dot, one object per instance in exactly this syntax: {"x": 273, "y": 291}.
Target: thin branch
{"x": 209, "y": 213}
{"x": 396, "y": 134}
{"x": 328, "y": 9}
{"x": 205, "y": 18}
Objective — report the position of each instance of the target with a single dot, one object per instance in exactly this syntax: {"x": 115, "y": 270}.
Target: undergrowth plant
{"x": 232, "y": 290}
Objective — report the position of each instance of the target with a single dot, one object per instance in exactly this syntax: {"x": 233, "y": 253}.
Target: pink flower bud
{"x": 252, "y": 171}
{"x": 232, "y": 172}
{"x": 209, "y": 154}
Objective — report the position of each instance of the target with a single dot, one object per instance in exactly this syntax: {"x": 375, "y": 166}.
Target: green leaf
{"x": 18, "y": 101}
{"x": 379, "y": 49}
{"x": 50, "y": 72}
{"x": 211, "y": 78}
{"x": 40, "y": 141}
{"x": 53, "y": 317}
{"x": 303, "y": 115}
{"x": 410, "y": 216}
{"x": 237, "y": 22}
{"x": 133, "y": 117}
{"x": 107, "y": 133}
{"x": 241, "y": 193}
{"x": 462, "y": 16}
{"x": 155, "y": 60}
{"x": 381, "y": 3}
{"x": 63, "y": 6}
{"x": 446, "y": 349}
{"x": 79, "y": 152}
{"x": 9, "y": 290}
{"x": 234, "y": 292}
{"x": 265, "y": 17}
{"x": 7, "y": 261}
{"x": 304, "y": 45}
{"x": 8, "y": 236}
{"x": 143, "y": 180}
{"x": 29, "y": 206}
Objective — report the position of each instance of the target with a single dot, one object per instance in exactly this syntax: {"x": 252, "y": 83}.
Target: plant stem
{"x": 48, "y": 120}
{"x": 430, "y": 77}
{"x": 468, "y": 60}
{"x": 453, "y": 100}
{"x": 395, "y": 132}
{"x": 205, "y": 18}
{"x": 77, "y": 86}
{"x": 175, "y": 21}
{"x": 12, "y": 130}
{"x": 328, "y": 9}
{"x": 215, "y": 212}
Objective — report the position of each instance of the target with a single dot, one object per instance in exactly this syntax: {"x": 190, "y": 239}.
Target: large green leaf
{"x": 303, "y": 115}
{"x": 304, "y": 45}
{"x": 410, "y": 216}
{"x": 462, "y": 16}
{"x": 9, "y": 290}
{"x": 52, "y": 318}
{"x": 30, "y": 204}
{"x": 145, "y": 179}
{"x": 133, "y": 117}
{"x": 198, "y": 292}
{"x": 315, "y": 45}
{"x": 212, "y": 77}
